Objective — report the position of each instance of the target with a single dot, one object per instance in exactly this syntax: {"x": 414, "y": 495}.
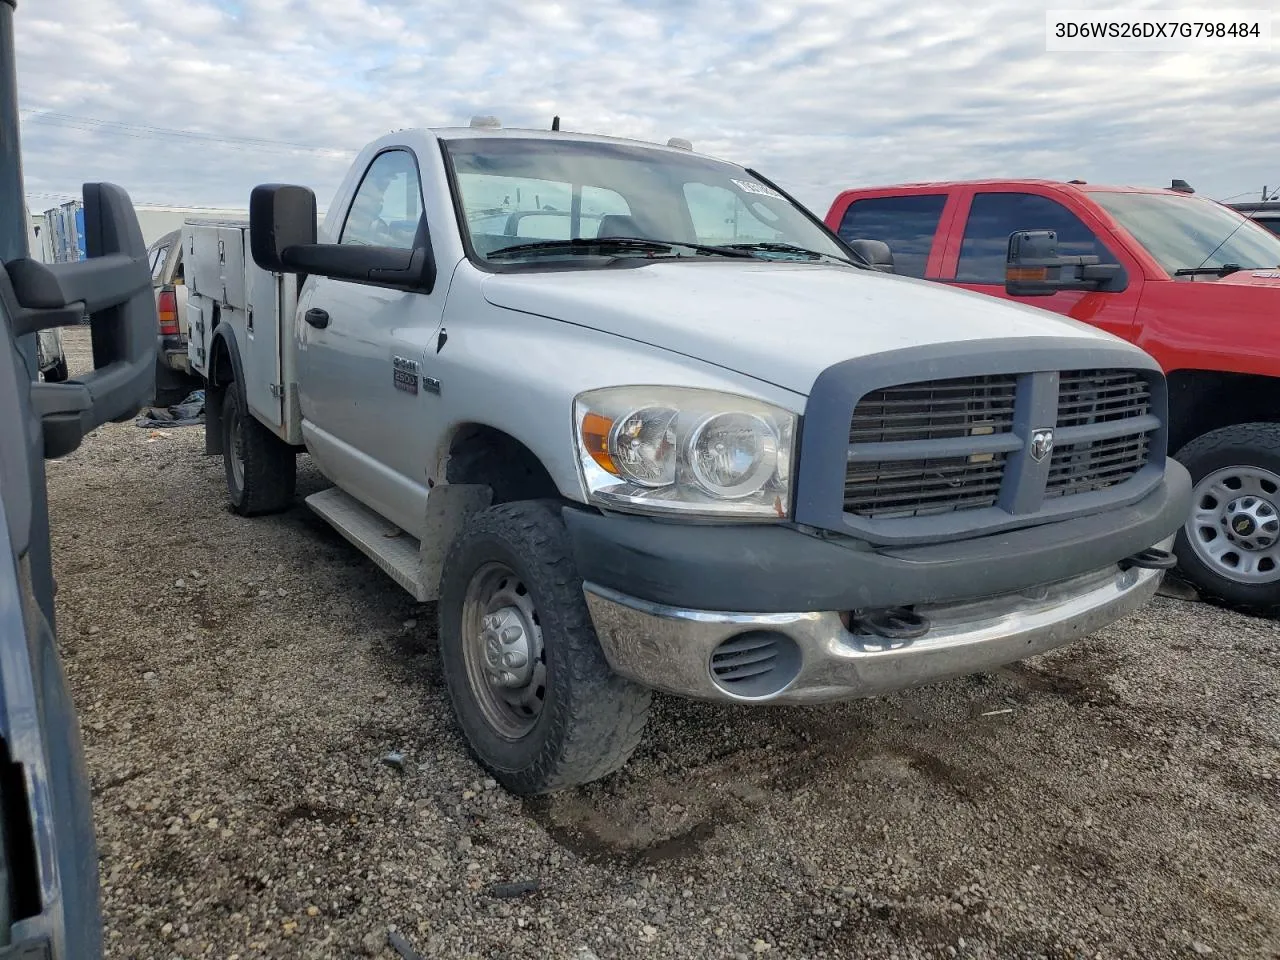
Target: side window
{"x": 387, "y": 207}
{"x": 907, "y": 224}
{"x": 721, "y": 216}
{"x": 993, "y": 216}
{"x": 157, "y": 262}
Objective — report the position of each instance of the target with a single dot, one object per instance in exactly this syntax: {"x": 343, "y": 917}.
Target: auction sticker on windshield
{"x": 750, "y": 186}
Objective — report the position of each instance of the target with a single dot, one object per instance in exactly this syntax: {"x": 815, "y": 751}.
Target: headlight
{"x": 687, "y": 451}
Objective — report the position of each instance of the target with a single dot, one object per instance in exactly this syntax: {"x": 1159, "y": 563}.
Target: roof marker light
{"x": 486, "y": 123}
{"x": 680, "y": 143}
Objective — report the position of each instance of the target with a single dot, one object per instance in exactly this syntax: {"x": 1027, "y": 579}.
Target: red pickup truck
{"x": 1191, "y": 281}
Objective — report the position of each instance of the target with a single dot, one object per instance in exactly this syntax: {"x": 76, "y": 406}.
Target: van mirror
{"x": 1034, "y": 269}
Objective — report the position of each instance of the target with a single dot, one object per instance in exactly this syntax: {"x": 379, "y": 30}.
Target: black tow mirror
{"x": 112, "y": 288}
{"x": 1034, "y": 269}
{"x": 875, "y": 252}
{"x": 282, "y": 228}
{"x": 280, "y": 217}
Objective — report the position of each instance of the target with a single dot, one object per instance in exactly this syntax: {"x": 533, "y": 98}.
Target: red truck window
{"x": 993, "y": 216}
{"x": 907, "y": 224}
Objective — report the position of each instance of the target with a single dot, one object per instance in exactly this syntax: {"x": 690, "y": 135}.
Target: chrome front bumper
{"x": 817, "y": 658}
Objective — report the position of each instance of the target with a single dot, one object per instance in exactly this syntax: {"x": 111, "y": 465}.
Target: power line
{"x": 139, "y": 131}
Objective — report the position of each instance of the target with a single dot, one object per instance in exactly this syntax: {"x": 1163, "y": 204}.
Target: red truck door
{"x": 978, "y": 241}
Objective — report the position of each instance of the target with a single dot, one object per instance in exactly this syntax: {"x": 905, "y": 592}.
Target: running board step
{"x": 395, "y": 551}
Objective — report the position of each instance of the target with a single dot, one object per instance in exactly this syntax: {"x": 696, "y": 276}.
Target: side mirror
{"x": 282, "y": 235}
{"x": 112, "y": 288}
{"x": 1034, "y": 269}
{"x": 280, "y": 217}
{"x": 875, "y": 252}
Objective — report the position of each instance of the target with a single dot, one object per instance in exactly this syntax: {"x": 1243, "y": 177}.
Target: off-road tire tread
{"x": 270, "y": 465}
{"x": 1263, "y": 437}
{"x": 601, "y": 720}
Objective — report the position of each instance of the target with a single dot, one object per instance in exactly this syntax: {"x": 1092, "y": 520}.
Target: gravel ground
{"x": 240, "y": 683}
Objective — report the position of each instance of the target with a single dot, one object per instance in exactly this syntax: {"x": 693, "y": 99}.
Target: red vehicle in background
{"x": 1190, "y": 280}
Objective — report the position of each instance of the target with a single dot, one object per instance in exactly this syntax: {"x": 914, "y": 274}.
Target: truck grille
{"x": 942, "y": 446}
{"x": 935, "y": 410}
{"x": 911, "y": 487}
{"x": 1101, "y": 396}
{"x": 1081, "y": 467}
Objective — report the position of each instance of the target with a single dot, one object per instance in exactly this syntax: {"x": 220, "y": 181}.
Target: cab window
{"x": 534, "y": 209}
{"x": 907, "y": 224}
{"x": 158, "y": 256}
{"x": 387, "y": 208}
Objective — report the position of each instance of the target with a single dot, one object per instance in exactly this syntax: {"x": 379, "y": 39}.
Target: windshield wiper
{"x": 778, "y": 247}
{"x": 1223, "y": 271}
{"x": 586, "y": 244}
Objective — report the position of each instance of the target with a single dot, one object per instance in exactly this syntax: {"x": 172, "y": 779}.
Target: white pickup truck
{"x": 636, "y": 420}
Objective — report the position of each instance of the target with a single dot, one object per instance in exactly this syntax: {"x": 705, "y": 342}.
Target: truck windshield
{"x": 525, "y": 199}
{"x": 1184, "y": 233}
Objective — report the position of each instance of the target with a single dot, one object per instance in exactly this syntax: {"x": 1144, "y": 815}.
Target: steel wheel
{"x": 1234, "y": 527}
{"x": 502, "y": 648}
{"x": 235, "y": 450}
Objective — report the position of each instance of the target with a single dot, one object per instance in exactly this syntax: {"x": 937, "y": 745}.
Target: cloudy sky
{"x": 195, "y": 101}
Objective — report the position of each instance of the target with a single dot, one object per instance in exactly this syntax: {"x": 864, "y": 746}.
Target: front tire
{"x": 1229, "y": 546}
{"x": 533, "y": 695}
{"x": 261, "y": 469}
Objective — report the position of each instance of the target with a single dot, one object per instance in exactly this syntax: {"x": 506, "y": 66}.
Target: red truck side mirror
{"x": 1034, "y": 269}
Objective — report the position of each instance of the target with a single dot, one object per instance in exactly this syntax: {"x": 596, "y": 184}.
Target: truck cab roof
{"x": 531, "y": 133}
{"x": 1004, "y": 183}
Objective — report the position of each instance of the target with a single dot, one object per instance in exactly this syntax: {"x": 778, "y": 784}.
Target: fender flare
{"x": 214, "y": 391}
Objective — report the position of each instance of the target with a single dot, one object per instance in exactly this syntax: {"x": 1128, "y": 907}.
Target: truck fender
{"x": 217, "y": 385}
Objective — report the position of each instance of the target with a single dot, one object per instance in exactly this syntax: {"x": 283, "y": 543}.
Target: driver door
{"x": 363, "y": 352}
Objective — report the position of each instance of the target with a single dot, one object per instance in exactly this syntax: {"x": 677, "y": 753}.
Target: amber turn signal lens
{"x": 595, "y": 440}
{"x": 1026, "y": 273}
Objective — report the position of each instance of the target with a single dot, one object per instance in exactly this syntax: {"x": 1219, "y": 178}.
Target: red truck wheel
{"x": 1230, "y": 545}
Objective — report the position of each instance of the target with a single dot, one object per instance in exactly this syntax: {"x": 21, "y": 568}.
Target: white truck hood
{"x": 778, "y": 322}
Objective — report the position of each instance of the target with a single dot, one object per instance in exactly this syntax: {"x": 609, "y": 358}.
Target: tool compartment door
{"x": 264, "y": 388}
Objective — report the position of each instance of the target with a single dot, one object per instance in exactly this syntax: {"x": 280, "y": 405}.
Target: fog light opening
{"x": 755, "y": 664}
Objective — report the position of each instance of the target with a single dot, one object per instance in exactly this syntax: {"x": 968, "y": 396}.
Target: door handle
{"x": 317, "y": 318}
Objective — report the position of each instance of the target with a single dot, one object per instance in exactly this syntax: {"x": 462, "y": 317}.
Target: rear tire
{"x": 261, "y": 469}
{"x": 555, "y": 715}
{"x": 1229, "y": 547}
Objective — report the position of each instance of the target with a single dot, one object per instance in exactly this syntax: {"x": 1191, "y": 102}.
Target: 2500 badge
{"x": 404, "y": 373}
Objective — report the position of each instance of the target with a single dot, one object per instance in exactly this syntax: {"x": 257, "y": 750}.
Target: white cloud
{"x": 818, "y": 94}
